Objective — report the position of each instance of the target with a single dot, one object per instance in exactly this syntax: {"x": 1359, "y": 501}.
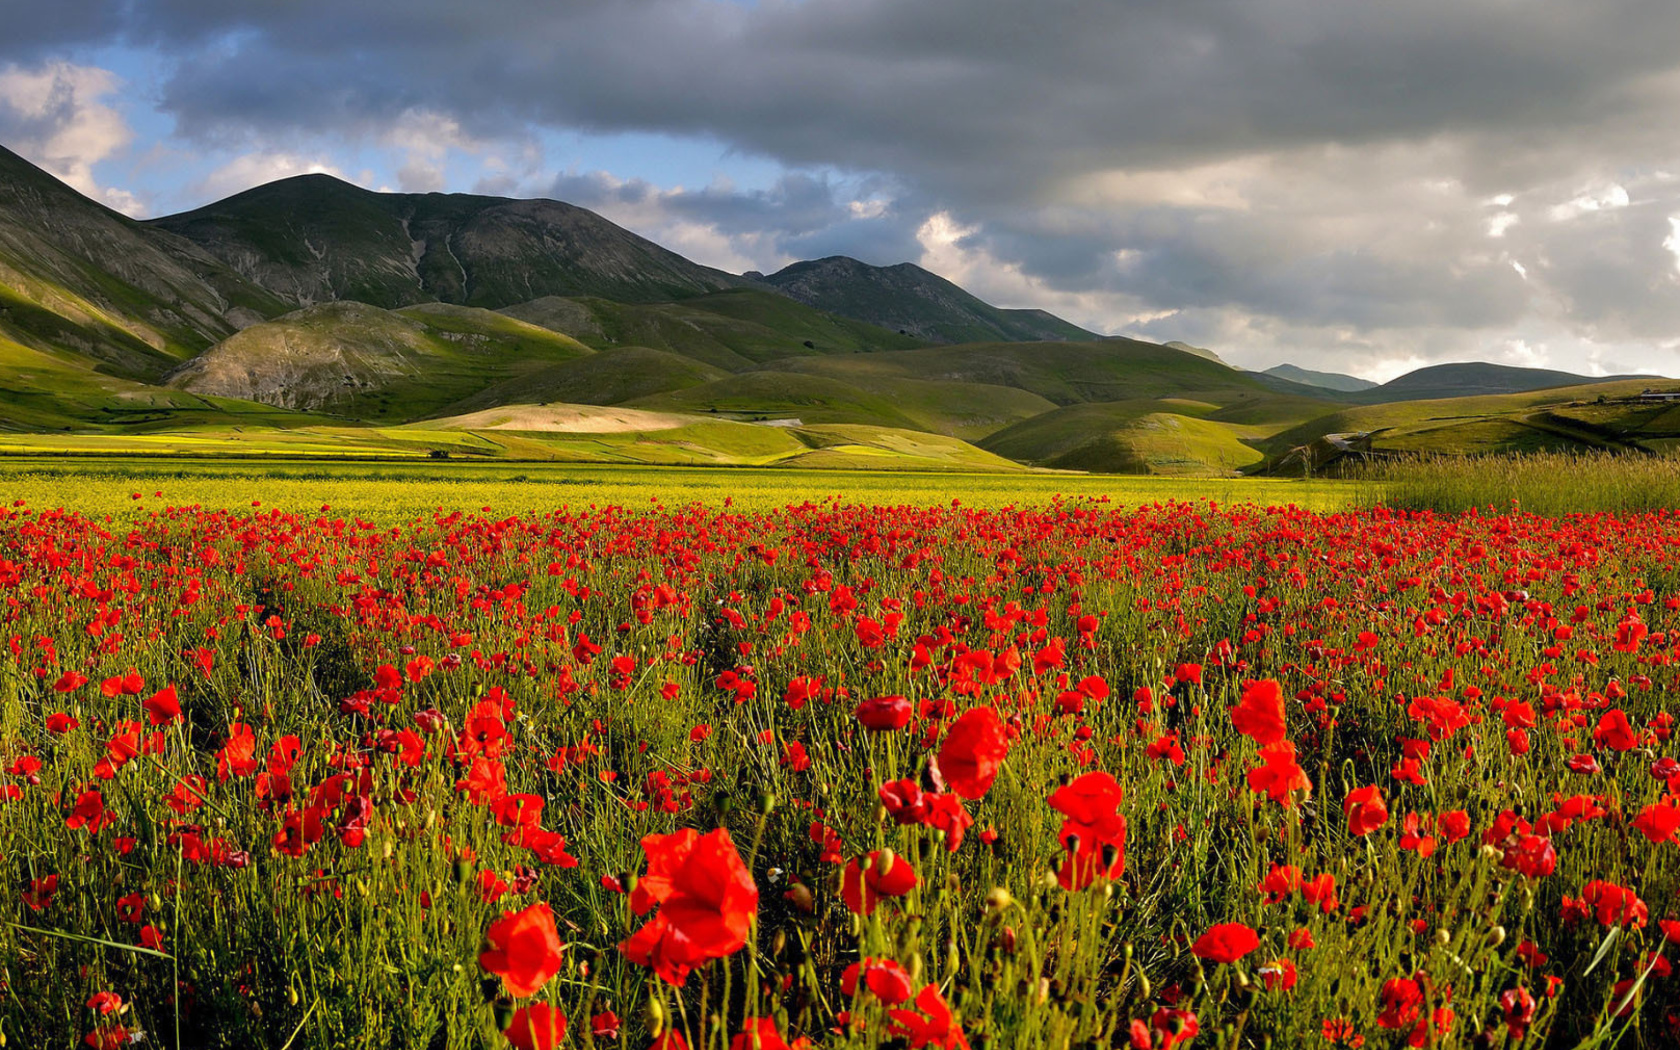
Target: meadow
{"x": 297, "y": 757}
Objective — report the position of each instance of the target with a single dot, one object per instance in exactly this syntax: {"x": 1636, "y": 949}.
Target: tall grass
{"x": 1547, "y": 483}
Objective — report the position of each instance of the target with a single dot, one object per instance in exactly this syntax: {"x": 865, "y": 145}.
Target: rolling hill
{"x": 1631, "y": 415}
{"x": 360, "y": 362}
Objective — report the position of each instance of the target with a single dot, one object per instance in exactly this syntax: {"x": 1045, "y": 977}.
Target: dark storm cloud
{"x": 982, "y": 93}
{"x": 1082, "y": 145}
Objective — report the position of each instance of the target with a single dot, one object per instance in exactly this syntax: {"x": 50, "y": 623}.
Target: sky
{"x": 1360, "y": 186}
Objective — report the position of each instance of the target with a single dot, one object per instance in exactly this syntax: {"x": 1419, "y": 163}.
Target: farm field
{"x": 395, "y": 491}
{"x": 295, "y": 758}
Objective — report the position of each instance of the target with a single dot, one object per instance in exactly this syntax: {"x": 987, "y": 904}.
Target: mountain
{"x": 1474, "y": 379}
{"x": 77, "y": 278}
{"x": 1336, "y": 381}
{"x": 910, "y": 300}
{"x": 314, "y": 238}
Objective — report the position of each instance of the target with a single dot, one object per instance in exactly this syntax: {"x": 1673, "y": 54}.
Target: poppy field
{"x": 1070, "y": 774}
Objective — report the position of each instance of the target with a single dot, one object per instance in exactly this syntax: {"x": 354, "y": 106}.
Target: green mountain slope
{"x": 78, "y": 277}
{"x": 1063, "y": 373}
{"x": 908, "y": 299}
{"x": 314, "y": 238}
{"x": 361, "y": 362}
{"x": 733, "y": 330}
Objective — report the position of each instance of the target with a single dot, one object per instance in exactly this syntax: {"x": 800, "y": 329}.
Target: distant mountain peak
{"x": 906, "y": 298}
{"x": 316, "y": 238}
{"x": 1337, "y": 381}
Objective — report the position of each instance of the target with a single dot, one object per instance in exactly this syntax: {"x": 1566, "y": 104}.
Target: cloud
{"x": 799, "y": 216}
{"x": 1354, "y": 185}
{"x": 248, "y": 170}
{"x": 56, "y": 115}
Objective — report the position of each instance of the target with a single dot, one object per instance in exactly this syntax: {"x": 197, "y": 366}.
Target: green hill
{"x": 1627, "y": 414}
{"x": 361, "y": 362}
{"x": 1130, "y": 437}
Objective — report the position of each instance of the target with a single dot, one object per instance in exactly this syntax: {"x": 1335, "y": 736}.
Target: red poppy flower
{"x": 1093, "y": 833}
{"x": 882, "y": 874}
{"x": 884, "y": 713}
{"x": 931, "y": 1024}
{"x": 1365, "y": 810}
{"x": 761, "y": 1033}
{"x": 706, "y": 898}
{"x": 1226, "y": 943}
{"x": 973, "y": 752}
{"x": 1278, "y": 776}
{"x": 536, "y": 1027}
{"x": 884, "y": 978}
{"x": 1614, "y": 732}
{"x": 1260, "y": 715}
{"x": 523, "y": 949}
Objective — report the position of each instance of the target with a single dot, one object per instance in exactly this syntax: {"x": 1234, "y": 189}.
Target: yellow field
{"x": 399, "y": 490}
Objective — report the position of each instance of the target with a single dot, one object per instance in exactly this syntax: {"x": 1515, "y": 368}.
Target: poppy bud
{"x": 800, "y": 895}
{"x": 1443, "y": 937}
{"x": 1144, "y": 988}
{"x": 998, "y": 899}
{"x": 884, "y": 862}
{"x": 766, "y": 801}
{"x": 654, "y": 1014}
{"x": 504, "y": 1015}
{"x": 778, "y": 942}
{"x": 1496, "y": 936}
{"x": 1009, "y": 941}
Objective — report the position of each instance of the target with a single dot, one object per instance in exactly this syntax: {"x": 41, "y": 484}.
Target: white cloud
{"x": 1601, "y": 198}
{"x": 1672, "y": 241}
{"x": 254, "y": 169}
{"x": 425, "y": 138}
{"x": 947, "y": 250}
{"x": 56, "y": 115}
{"x": 1497, "y": 225}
